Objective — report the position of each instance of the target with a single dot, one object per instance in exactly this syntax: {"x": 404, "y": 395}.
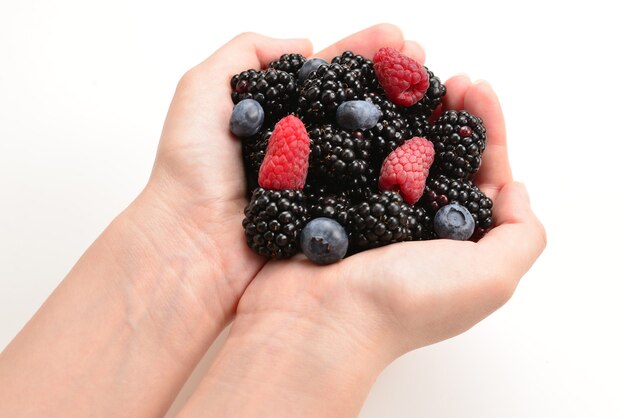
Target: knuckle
{"x": 543, "y": 235}
{"x": 188, "y": 80}
{"x": 500, "y": 288}
{"x": 246, "y": 36}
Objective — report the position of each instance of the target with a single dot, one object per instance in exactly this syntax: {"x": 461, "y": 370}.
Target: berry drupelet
{"x": 327, "y": 204}
{"x": 273, "y": 222}
{"x": 275, "y": 90}
{"x": 325, "y": 89}
{"x": 380, "y": 220}
{"x": 459, "y": 139}
{"x": 253, "y": 152}
{"x": 442, "y": 190}
{"x": 289, "y": 63}
{"x": 365, "y": 69}
{"x": 432, "y": 98}
{"x": 338, "y": 155}
{"x": 391, "y": 130}
{"x": 423, "y": 229}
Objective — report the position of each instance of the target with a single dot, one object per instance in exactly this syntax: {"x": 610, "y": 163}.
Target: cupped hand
{"x": 407, "y": 295}
{"x": 198, "y": 177}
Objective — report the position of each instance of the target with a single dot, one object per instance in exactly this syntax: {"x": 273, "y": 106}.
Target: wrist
{"x": 157, "y": 253}
{"x": 137, "y": 298}
{"x": 291, "y": 365}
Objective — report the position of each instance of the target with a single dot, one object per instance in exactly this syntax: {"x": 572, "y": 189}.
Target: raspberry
{"x": 404, "y": 80}
{"x": 287, "y": 156}
{"x": 406, "y": 169}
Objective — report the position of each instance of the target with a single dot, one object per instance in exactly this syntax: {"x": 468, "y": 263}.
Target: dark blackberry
{"x": 418, "y": 126}
{"x": 275, "y": 90}
{"x": 391, "y": 130}
{"x": 362, "y": 188}
{"x": 325, "y": 89}
{"x": 253, "y": 151}
{"x": 327, "y": 204}
{"x": 338, "y": 155}
{"x": 364, "y": 66}
{"x": 273, "y": 222}
{"x": 441, "y": 190}
{"x": 432, "y": 98}
{"x": 459, "y": 139}
{"x": 382, "y": 219}
{"x": 423, "y": 229}
{"x": 289, "y": 63}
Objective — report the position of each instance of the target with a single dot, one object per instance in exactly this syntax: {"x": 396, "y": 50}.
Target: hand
{"x": 417, "y": 293}
{"x": 198, "y": 179}
{"x": 313, "y": 333}
{"x": 125, "y": 328}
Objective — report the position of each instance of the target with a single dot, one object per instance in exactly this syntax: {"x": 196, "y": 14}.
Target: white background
{"x": 84, "y": 89}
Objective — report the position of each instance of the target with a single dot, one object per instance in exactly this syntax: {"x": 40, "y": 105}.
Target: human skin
{"x": 126, "y": 327}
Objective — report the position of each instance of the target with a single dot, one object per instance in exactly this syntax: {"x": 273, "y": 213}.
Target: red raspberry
{"x": 404, "y": 80}
{"x": 406, "y": 169}
{"x": 287, "y": 156}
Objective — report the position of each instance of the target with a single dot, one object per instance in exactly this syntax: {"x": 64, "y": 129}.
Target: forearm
{"x": 290, "y": 366}
{"x": 131, "y": 304}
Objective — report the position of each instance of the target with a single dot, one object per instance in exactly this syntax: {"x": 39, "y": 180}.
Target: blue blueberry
{"x": 454, "y": 221}
{"x": 247, "y": 118}
{"x": 357, "y": 114}
{"x": 308, "y": 67}
{"x": 324, "y": 241}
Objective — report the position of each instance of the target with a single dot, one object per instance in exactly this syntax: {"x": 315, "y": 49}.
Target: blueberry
{"x": 357, "y": 114}
{"x": 454, "y": 221}
{"x": 324, "y": 241}
{"x": 247, "y": 118}
{"x": 308, "y": 67}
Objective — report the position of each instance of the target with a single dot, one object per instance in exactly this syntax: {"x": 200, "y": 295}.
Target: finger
{"x": 519, "y": 238}
{"x": 366, "y": 42}
{"x": 202, "y": 95}
{"x": 247, "y": 51}
{"x": 495, "y": 170}
{"x": 456, "y": 88}
{"x": 414, "y": 50}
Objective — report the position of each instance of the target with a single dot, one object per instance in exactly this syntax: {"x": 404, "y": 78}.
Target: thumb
{"x": 519, "y": 237}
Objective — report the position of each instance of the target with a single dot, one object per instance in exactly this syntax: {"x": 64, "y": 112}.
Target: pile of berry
{"x": 354, "y": 154}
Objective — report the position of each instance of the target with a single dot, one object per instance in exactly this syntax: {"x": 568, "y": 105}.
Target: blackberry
{"x": 459, "y": 139}
{"x": 432, "y": 98}
{"x": 338, "y": 155}
{"x": 325, "y": 89}
{"x": 441, "y": 190}
{"x": 327, "y": 204}
{"x": 364, "y": 66}
{"x": 253, "y": 151}
{"x": 418, "y": 126}
{"x": 275, "y": 90}
{"x": 362, "y": 188}
{"x": 391, "y": 130}
{"x": 423, "y": 229}
{"x": 380, "y": 220}
{"x": 273, "y": 222}
{"x": 289, "y": 63}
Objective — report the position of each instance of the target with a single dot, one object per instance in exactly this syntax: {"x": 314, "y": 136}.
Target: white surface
{"x": 84, "y": 89}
